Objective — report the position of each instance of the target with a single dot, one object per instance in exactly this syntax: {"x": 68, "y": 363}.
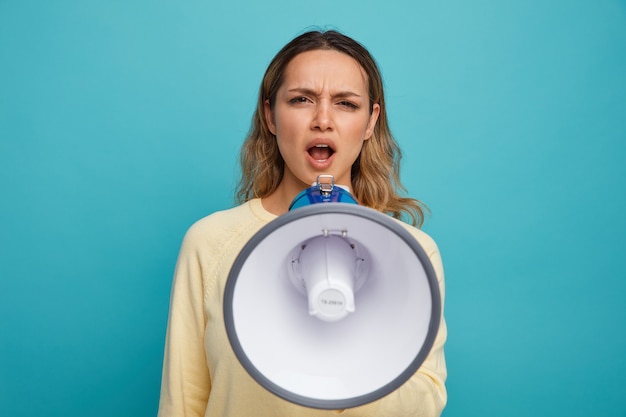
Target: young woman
{"x": 321, "y": 110}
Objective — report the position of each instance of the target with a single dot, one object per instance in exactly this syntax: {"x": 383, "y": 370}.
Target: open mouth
{"x": 321, "y": 152}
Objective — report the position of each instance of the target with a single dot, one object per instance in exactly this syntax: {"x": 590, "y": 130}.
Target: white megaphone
{"x": 331, "y": 305}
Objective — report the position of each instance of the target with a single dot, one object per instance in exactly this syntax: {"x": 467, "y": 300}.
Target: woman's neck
{"x": 279, "y": 201}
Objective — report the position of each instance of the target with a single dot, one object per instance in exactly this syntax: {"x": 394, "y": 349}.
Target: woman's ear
{"x": 269, "y": 117}
{"x": 371, "y": 124}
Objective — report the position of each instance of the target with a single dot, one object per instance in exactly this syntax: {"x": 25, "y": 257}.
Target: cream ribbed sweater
{"x": 201, "y": 375}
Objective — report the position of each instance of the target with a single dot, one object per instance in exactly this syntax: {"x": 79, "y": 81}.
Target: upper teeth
{"x": 321, "y": 146}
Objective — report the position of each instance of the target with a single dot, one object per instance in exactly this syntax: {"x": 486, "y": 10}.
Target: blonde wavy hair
{"x": 375, "y": 173}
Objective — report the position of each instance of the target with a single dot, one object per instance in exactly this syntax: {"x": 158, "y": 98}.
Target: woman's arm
{"x": 186, "y": 380}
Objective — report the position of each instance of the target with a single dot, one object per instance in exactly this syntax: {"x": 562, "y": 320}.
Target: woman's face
{"x": 321, "y": 117}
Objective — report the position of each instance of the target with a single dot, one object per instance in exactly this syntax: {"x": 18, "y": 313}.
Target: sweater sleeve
{"x": 186, "y": 381}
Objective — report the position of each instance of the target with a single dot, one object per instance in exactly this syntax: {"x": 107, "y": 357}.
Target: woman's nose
{"x": 323, "y": 117}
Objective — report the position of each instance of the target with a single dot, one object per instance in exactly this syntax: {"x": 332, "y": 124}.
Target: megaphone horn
{"x": 331, "y": 305}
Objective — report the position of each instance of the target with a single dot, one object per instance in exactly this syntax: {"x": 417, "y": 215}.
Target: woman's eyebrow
{"x": 308, "y": 91}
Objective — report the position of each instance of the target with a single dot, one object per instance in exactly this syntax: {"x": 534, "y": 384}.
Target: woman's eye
{"x": 348, "y": 104}
{"x": 297, "y": 100}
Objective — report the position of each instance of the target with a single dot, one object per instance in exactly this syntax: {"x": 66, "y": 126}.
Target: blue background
{"x": 120, "y": 124}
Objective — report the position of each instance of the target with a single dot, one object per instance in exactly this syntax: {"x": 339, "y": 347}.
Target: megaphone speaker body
{"x": 332, "y": 306}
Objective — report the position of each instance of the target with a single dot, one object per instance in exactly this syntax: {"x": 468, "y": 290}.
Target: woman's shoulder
{"x": 225, "y": 223}
{"x": 424, "y": 239}
{"x": 431, "y": 249}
